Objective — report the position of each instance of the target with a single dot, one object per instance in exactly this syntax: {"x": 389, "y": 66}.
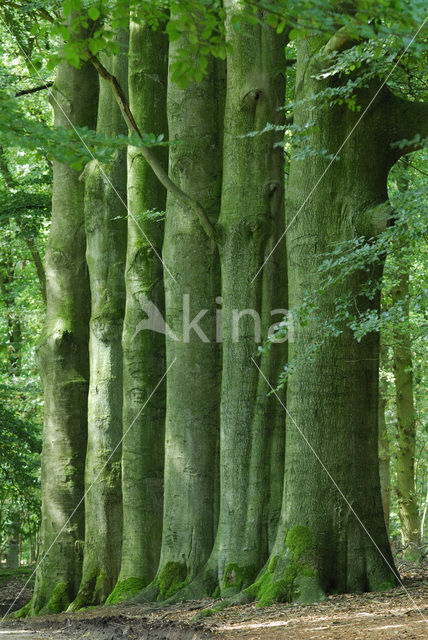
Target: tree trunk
{"x": 191, "y": 427}
{"x": 64, "y": 360}
{"x": 12, "y": 547}
{"x": 105, "y": 222}
{"x": 32, "y": 247}
{"x": 251, "y": 219}
{"x": 143, "y": 349}
{"x": 384, "y": 455}
{"x": 406, "y": 421}
{"x": 13, "y": 320}
{"x": 333, "y": 537}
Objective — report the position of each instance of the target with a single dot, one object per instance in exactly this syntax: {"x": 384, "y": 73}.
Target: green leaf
{"x": 93, "y": 13}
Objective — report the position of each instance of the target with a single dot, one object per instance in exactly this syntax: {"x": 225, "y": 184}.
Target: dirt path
{"x": 400, "y": 613}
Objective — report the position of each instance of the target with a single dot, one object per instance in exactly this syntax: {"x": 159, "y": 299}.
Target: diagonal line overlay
{"x": 394, "y": 571}
{"x": 105, "y": 176}
{"x": 311, "y": 192}
{"x": 90, "y": 486}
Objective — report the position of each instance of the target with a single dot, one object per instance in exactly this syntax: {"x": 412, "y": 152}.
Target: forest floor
{"x": 400, "y": 613}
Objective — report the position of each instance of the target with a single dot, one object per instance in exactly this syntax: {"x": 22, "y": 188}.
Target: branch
{"x": 38, "y": 264}
{"x": 146, "y": 152}
{"x": 34, "y": 89}
{"x": 409, "y": 164}
{"x": 410, "y": 120}
{"x": 340, "y": 41}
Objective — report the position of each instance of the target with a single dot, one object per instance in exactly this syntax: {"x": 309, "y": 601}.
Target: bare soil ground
{"x": 400, "y": 613}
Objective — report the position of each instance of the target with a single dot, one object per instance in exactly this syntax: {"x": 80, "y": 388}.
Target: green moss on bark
{"x": 58, "y": 602}
{"x": 23, "y": 612}
{"x": 124, "y": 589}
{"x": 171, "y": 579}
{"x": 291, "y": 576}
{"x": 236, "y": 577}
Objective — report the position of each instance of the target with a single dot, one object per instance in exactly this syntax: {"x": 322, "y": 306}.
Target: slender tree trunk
{"x": 333, "y": 400}
{"x": 105, "y": 221}
{"x": 29, "y": 241}
{"x": 383, "y": 448}
{"x": 13, "y": 320}
{"x": 191, "y": 428}
{"x": 406, "y": 421}
{"x": 251, "y": 216}
{"x": 38, "y": 263}
{"x": 12, "y": 547}
{"x": 143, "y": 347}
{"x": 64, "y": 360}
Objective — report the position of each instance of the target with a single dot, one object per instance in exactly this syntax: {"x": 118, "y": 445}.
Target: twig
{"x": 148, "y": 155}
{"x": 33, "y": 90}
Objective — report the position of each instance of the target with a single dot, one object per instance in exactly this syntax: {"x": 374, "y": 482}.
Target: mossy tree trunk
{"x": 252, "y": 217}
{"x": 193, "y": 390}
{"x": 321, "y": 544}
{"x": 406, "y": 419}
{"x": 64, "y": 360}
{"x": 143, "y": 348}
{"x": 105, "y": 222}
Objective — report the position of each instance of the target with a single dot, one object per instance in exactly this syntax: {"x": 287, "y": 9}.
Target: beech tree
{"x": 105, "y": 224}
{"x": 245, "y": 472}
{"x": 64, "y": 359}
{"x": 143, "y": 351}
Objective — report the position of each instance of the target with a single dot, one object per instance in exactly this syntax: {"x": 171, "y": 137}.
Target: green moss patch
{"x": 58, "y": 602}
{"x": 290, "y": 576}
{"x": 23, "y": 612}
{"x": 171, "y": 579}
{"x": 125, "y": 589}
{"x": 235, "y": 578}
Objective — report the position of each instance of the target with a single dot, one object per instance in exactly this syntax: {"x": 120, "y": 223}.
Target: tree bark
{"x": 406, "y": 420}
{"x": 143, "y": 348}
{"x": 251, "y": 220}
{"x": 105, "y": 223}
{"x": 64, "y": 360}
{"x": 38, "y": 263}
{"x": 191, "y": 427}
{"x": 13, "y": 321}
{"x": 383, "y": 445}
{"x": 333, "y": 400}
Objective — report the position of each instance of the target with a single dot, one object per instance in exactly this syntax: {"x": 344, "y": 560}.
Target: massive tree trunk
{"x": 192, "y": 283}
{"x": 143, "y": 348}
{"x": 251, "y": 219}
{"x": 64, "y": 360}
{"x": 105, "y": 222}
{"x": 332, "y": 533}
{"x": 406, "y": 420}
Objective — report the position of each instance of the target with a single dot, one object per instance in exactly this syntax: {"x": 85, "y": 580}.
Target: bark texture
{"x": 105, "y": 222}
{"x": 384, "y": 455}
{"x": 333, "y": 401}
{"x": 191, "y": 427}
{"x": 406, "y": 421}
{"x": 64, "y": 360}
{"x": 143, "y": 347}
{"x": 251, "y": 217}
